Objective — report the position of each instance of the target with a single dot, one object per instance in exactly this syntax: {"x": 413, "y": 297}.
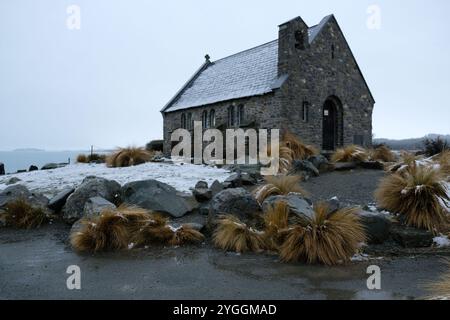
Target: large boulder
{"x": 236, "y": 201}
{"x": 372, "y": 165}
{"x": 50, "y": 166}
{"x": 201, "y": 192}
{"x": 158, "y": 196}
{"x": 344, "y": 166}
{"x": 409, "y": 237}
{"x": 2, "y": 169}
{"x": 95, "y": 205}
{"x": 320, "y": 162}
{"x": 299, "y": 166}
{"x": 17, "y": 192}
{"x": 90, "y": 187}
{"x": 298, "y": 205}
{"x": 376, "y": 225}
{"x": 33, "y": 168}
{"x": 234, "y": 181}
{"x": 57, "y": 202}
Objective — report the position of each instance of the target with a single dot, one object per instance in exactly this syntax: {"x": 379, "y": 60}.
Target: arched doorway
{"x": 332, "y": 124}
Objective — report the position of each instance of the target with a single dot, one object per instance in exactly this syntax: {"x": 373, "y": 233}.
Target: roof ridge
{"x": 234, "y": 54}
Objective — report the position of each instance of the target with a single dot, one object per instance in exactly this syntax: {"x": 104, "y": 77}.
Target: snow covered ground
{"x": 182, "y": 177}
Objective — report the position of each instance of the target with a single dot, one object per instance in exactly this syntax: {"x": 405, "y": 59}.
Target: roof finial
{"x": 207, "y": 57}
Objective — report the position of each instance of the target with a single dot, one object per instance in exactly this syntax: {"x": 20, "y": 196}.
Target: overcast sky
{"x": 106, "y": 83}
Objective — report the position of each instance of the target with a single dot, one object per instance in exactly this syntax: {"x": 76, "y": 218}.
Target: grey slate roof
{"x": 248, "y": 73}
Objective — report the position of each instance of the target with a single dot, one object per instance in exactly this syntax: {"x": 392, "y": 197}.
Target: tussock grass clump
{"x": 94, "y": 157}
{"x": 129, "y": 227}
{"x": 444, "y": 163}
{"x": 125, "y": 157}
{"x": 418, "y": 195}
{"x": 82, "y": 158}
{"x": 382, "y": 153}
{"x": 326, "y": 239}
{"x": 275, "y": 219}
{"x": 233, "y": 235}
{"x": 279, "y": 185}
{"x": 352, "y": 153}
{"x": 21, "y": 214}
{"x": 186, "y": 235}
{"x": 440, "y": 289}
{"x": 300, "y": 151}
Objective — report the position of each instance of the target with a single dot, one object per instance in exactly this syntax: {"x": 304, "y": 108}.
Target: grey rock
{"x": 247, "y": 179}
{"x": 33, "y": 168}
{"x": 216, "y": 187}
{"x": 333, "y": 205}
{"x": 376, "y": 225}
{"x": 16, "y": 192}
{"x": 95, "y": 205}
{"x": 409, "y": 237}
{"x": 373, "y": 165}
{"x": 50, "y": 166}
{"x": 343, "y": 166}
{"x": 21, "y": 171}
{"x": 202, "y": 194}
{"x": 201, "y": 185}
{"x": 76, "y": 227}
{"x": 2, "y": 169}
{"x": 233, "y": 181}
{"x": 236, "y": 201}
{"x": 158, "y": 196}
{"x": 90, "y": 187}
{"x": 58, "y": 201}
{"x": 304, "y": 166}
{"x": 12, "y": 181}
{"x": 320, "y": 162}
{"x": 298, "y": 205}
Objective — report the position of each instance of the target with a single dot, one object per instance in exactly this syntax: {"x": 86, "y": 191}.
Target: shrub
{"x": 131, "y": 156}
{"x": 279, "y": 185}
{"x": 21, "y": 214}
{"x": 350, "y": 153}
{"x": 435, "y": 146}
{"x": 233, "y": 235}
{"x": 418, "y": 195}
{"x": 82, "y": 158}
{"x": 382, "y": 153}
{"x": 327, "y": 239}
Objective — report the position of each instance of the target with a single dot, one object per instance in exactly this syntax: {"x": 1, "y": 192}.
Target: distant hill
{"x": 411, "y": 143}
{"x": 28, "y": 150}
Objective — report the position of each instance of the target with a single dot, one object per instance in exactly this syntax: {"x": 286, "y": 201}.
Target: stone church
{"x": 306, "y": 81}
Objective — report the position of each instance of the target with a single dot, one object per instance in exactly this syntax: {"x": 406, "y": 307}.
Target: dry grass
{"x": 186, "y": 235}
{"x": 417, "y": 195}
{"x": 440, "y": 290}
{"x": 21, "y": 214}
{"x": 233, "y": 235}
{"x": 95, "y": 157}
{"x": 350, "y": 153}
{"x": 300, "y": 151}
{"x": 82, "y": 158}
{"x": 117, "y": 229}
{"x": 279, "y": 185}
{"x": 327, "y": 239}
{"x": 382, "y": 153}
{"x": 125, "y": 157}
{"x": 275, "y": 219}
{"x": 444, "y": 163}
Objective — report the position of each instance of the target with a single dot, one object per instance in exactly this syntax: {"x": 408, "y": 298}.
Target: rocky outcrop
{"x": 57, "y": 202}
{"x": 89, "y": 188}
{"x": 157, "y": 196}
{"x": 17, "y": 192}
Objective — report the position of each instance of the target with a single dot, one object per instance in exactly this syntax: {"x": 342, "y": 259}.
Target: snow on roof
{"x": 245, "y": 74}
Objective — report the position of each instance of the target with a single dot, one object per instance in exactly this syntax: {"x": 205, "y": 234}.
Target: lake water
{"x": 22, "y": 160}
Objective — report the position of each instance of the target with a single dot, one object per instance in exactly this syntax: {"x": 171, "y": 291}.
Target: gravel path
{"x": 354, "y": 187}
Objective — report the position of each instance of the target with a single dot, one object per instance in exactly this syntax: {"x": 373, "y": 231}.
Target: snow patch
{"x": 442, "y": 241}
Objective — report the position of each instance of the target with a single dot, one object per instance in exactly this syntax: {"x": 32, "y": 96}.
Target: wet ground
{"x": 33, "y": 265}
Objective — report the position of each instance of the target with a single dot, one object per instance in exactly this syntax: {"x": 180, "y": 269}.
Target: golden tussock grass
{"x": 382, "y": 153}
{"x": 350, "y": 153}
{"x": 327, "y": 239}
{"x": 444, "y": 163}
{"x": 82, "y": 158}
{"x": 186, "y": 235}
{"x": 130, "y": 156}
{"x": 233, "y": 235}
{"x": 275, "y": 219}
{"x": 21, "y": 214}
{"x": 279, "y": 185}
{"x": 300, "y": 151}
{"x": 417, "y": 195}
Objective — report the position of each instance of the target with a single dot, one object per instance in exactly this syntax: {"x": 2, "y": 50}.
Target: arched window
{"x": 240, "y": 115}
{"x": 189, "y": 121}
{"x": 183, "y": 121}
{"x": 205, "y": 119}
{"x": 231, "y": 116}
{"x": 212, "y": 119}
